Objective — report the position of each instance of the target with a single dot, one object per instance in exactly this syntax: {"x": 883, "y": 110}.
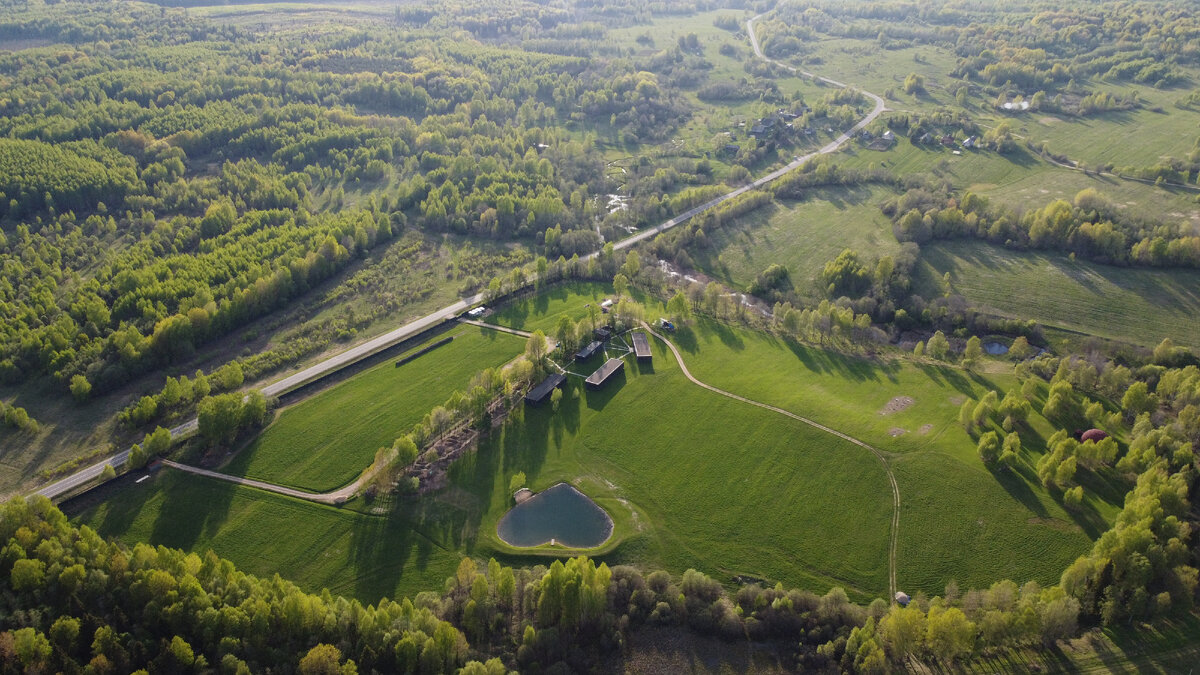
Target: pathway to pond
{"x": 879, "y": 454}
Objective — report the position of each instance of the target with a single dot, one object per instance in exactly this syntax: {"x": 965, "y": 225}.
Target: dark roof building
{"x": 542, "y": 391}
{"x": 588, "y": 351}
{"x": 603, "y": 333}
{"x": 641, "y": 346}
{"x": 598, "y": 378}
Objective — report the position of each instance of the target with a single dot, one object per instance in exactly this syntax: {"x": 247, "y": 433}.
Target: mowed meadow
{"x": 692, "y": 479}
{"x": 325, "y": 441}
{"x": 1139, "y": 306}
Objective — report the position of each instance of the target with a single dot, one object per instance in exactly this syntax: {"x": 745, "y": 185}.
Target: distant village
{"x": 782, "y": 125}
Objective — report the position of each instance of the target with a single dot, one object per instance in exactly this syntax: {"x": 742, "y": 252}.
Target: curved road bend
{"x": 378, "y": 344}
{"x": 895, "y": 530}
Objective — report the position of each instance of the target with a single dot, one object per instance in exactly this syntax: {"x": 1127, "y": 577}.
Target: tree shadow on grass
{"x": 192, "y": 508}
{"x": 1017, "y": 484}
{"x": 385, "y": 548}
{"x": 951, "y": 377}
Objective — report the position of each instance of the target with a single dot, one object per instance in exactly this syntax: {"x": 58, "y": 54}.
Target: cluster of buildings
{"x": 600, "y": 376}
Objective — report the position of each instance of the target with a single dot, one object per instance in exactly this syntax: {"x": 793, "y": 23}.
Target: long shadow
{"x": 382, "y": 550}
{"x": 1017, "y": 485}
{"x": 685, "y": 338}
{"x": 123, "y": 501}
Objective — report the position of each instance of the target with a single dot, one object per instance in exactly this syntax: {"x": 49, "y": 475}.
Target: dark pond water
{"x": 995, "y": 348}
{"x": 560, "y": 513}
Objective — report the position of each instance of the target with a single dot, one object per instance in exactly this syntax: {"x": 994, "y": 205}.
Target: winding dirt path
{"x": 879, "y": 454}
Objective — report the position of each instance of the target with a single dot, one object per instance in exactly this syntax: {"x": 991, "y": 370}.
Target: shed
{"x": 588, "y": 351}
{"x": 598, "y": 378}
{"x": 902, "y": 598}
{"x": 603, "y": 333}
{"x": 1093, "y": 435}
{"x": 641, "y": 346}
{"x": 542, "y": 391}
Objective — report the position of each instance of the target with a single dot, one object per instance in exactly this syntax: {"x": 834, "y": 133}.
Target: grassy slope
{"x": 315, "y": 546}
{"x": 802, "y": 236}
{"x": 325, "y": 441}
{"x": 998, "y": 525}
{"x": 1136, "y": 305}
{"x": 692, "y": 479}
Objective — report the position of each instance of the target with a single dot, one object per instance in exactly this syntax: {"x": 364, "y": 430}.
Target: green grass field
{"x": 316, "y": 546}
{"x": 1024, "y": 532}
{"x": 325, "y": 441}
{"x": 1135, "y": 305}
{"x": 691, "y": 478}
{"x": 802, "y": 236}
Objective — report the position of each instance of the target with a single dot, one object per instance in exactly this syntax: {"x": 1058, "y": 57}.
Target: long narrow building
{"x": 598, "y": 378}
{"x": 641, "y": 346}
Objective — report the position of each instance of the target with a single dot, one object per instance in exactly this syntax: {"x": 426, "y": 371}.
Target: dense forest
{"x": 163, "y": 202}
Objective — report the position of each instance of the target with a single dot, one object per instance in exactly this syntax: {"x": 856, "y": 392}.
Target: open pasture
{"x": 325, "y": 441}
{"x": 1139, "y": 306}
{"x": 691, "y": 478}
{"x": 801, "y": 236}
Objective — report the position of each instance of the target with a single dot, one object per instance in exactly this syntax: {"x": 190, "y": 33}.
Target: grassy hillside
{"x": 692, "y": 479}
{"x": 801, "y": 236}
{"x": 325, "y": 441}
{"x": 1136, "y": 305}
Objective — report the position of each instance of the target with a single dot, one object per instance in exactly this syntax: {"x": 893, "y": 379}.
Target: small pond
{"x": 560, "y": 514}
{"x": 995, "y": 348}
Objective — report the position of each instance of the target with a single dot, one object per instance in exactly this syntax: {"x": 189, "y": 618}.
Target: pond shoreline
{"x": 521, "y": 514}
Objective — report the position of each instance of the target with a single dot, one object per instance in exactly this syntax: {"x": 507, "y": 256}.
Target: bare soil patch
{"x": 925, "y": 429}
{"x": 1048, "y": 120}
{"x": 897, "y": 404}
{"x": 897, "y": 431}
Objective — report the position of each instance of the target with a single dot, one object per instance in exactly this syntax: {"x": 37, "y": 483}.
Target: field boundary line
{"x": 879, "y": 454}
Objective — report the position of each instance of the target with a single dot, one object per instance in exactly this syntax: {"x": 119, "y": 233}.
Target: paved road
{"x": 879, "y": 454}
{"x": 378, "y": 344}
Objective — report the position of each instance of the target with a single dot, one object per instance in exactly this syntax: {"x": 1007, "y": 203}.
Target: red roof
{"x": 1093, "y": 435}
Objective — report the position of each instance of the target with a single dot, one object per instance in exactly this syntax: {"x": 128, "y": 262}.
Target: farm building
{"x": 588, "y": 351}
{"x": 641, "y": 346}
{"x": 603, "y": 333}
{"x": 541, "y": 392}
{"x": 598, "y": 378}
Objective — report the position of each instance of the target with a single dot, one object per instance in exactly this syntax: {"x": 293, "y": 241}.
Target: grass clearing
{"x": 762, "y": 495}
{"x": 802, "y": 236}
{"x": 1139, "y": 306}
{"x": 692, "y": 479}
{"x": 847, "y": 393}
{"x": 315, "y": 546}
{"x": 325, "y": 441}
